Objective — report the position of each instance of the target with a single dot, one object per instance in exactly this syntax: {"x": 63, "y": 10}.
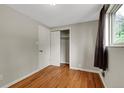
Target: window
{"x": 117, "y": 26}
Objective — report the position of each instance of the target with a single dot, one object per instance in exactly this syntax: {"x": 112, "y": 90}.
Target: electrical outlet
{"x": 1, "y": 77}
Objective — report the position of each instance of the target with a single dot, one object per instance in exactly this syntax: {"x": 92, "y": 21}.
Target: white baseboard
{"x": 93, "y": 71}
{"x": 87, "y": 70}
{"x": 13, "y": 82}
{"x": 64, "y": 62}
{"x": 102, "y": 78}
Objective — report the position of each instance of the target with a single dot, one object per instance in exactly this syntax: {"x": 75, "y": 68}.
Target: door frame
{"x": 66, "y": 28}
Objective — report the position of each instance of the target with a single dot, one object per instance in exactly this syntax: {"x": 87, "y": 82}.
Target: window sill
{"x": 115, "y": 46}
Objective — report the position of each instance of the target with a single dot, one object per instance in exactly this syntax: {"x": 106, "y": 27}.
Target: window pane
{"x": 118, "y": 31}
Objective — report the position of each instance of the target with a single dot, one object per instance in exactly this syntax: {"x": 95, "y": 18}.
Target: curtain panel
{"x": 101, "y": 52}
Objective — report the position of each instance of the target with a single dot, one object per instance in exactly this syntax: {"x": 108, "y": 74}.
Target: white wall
{"x": 114, "y": 76}
{"x": 83, "y": 40}
{"x": 18, "y": 48}
{"x": 82, "y": 44}
{"x": 44, "y": 45}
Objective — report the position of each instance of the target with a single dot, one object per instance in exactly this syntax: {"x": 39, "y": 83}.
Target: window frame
{"x": 110, "y": 22}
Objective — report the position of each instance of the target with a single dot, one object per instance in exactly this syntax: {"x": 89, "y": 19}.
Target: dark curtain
{"x": 101, "y": 52}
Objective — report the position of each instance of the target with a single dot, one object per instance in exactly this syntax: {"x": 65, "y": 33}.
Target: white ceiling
{"x": 60, "y": 14}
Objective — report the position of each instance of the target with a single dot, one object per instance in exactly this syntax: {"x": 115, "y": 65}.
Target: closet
{"x": 64, "y": 47}
{"x": 59, "y": 44}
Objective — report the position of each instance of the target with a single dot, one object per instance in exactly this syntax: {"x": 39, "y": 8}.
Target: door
{"x": 55, "y": 48}
{"x": 44, "y": 47}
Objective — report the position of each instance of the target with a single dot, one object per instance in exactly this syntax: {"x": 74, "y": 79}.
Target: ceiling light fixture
{"x": 53, "y": 3}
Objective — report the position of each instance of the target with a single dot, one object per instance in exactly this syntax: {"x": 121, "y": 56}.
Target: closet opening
{"x": 64, "y": 48}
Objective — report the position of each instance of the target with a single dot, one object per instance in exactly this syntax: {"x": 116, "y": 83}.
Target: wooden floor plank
{"x": 60, "y": 77}
{"x": 97, "y": 80}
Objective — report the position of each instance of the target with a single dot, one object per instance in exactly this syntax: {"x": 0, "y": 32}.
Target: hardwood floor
{"x": 60, "y": 77}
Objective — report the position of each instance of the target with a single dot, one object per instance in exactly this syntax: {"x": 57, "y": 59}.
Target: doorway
{"x": 64, "y": 47}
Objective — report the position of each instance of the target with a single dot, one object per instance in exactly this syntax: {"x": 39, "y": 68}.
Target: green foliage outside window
{"x": 119, "y": 29}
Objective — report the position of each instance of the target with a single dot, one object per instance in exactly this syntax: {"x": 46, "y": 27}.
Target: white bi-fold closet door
{"x": 55, "y": 48}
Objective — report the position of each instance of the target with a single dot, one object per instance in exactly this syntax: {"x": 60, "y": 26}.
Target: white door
{"x": 55, "y": 48}
{"x": 44, "y": 47}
